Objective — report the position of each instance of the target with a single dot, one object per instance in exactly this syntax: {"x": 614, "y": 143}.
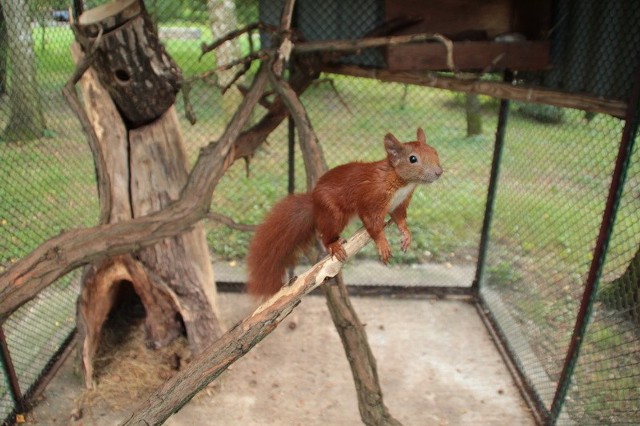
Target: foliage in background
{"x": 542, "y": 113}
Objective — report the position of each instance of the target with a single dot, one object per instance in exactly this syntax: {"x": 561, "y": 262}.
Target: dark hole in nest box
{"x": 122, "y": 77}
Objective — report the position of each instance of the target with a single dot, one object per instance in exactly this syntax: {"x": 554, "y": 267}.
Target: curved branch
{"x": 228, "y": 221}
{"x": 206, "y": 48}
{"x": 74, "y": 248}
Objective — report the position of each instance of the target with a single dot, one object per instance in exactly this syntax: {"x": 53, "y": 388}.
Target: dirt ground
{"x": 436, "y": 362}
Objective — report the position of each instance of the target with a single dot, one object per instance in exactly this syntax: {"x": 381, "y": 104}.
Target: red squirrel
{"x": 368, "y": 190}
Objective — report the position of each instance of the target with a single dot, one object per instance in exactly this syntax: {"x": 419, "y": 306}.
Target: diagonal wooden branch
{"x": 260, "y": 54}
{"x": 75, "y": 248}
{"x": 247, "y": 143}
{"x": 373, "y": 411}
{"x": 178, "y": 390}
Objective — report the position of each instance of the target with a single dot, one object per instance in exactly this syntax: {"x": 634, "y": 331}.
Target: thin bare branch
{"x": 260, "y": 54}
{"x": 365, "y": 43}
{"x": 206, "y": 48}
{"x": 228, "y": 221}
{"x": 332, "y": 83}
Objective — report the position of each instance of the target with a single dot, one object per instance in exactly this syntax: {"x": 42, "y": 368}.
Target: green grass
{"x": 572, "y": 160}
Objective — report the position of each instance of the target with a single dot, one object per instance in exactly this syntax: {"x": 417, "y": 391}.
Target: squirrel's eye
{"x": 413, "y": 159}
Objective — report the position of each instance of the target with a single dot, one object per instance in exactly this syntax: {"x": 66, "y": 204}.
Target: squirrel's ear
{"x": 421, "y": 136}
{"x": 393, "y": 146}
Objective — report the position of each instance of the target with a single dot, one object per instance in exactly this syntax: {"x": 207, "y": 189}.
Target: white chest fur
{"x": 401, "y": 195}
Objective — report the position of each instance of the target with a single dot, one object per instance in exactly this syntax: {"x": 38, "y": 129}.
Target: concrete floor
{"x": 436, "y": 362}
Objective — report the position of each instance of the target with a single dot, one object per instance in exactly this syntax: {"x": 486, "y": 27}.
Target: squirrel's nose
{"x": 438, "y": 171}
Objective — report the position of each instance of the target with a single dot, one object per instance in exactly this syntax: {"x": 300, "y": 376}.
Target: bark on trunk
{"x": 158, "y": 173}
{"x": 131, "y": 62}
{"x": 222, "y": 17}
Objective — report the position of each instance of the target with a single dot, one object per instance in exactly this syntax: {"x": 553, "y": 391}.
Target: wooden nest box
{"x": 487, "y": 35}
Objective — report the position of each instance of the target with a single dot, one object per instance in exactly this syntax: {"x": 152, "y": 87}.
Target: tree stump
{"x": 131, "y": 62}
{"x": 145, "y": 170}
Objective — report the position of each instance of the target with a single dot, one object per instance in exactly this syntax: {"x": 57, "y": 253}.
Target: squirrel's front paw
{"x": 384, "y": 251}
{"x": 406, "y": 238}
{"x": 406, "y": 241}
{"x": 336, "y": 249}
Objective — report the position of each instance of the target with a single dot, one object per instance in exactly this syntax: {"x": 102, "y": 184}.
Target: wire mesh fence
{"x": 554, "y": 181}
{"x": 546, "y": 222}
{"x": 602, "y": 386}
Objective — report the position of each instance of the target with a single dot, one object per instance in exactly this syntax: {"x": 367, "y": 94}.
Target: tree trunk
{"x": 27, "y": 120}
{"x": 222, "y": 17}
{"x": 131, "y": 62}
{"x": 145, "y": 170}
{"x": 623, "y": 293}
{"x": 222, "y": 20}
{"x": 3, "y": 53}
{"x": 474, "y": 114}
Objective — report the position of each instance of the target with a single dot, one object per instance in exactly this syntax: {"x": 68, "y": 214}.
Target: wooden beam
{"x": 496, "y": 89}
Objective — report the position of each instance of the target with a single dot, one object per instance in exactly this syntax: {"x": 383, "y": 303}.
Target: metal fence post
{"x": 12, "y": 378}
{"x": 501, "y": 129}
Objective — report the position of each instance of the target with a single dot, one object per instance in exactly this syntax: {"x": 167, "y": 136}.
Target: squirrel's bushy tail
{"x": 286, "y": 229}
